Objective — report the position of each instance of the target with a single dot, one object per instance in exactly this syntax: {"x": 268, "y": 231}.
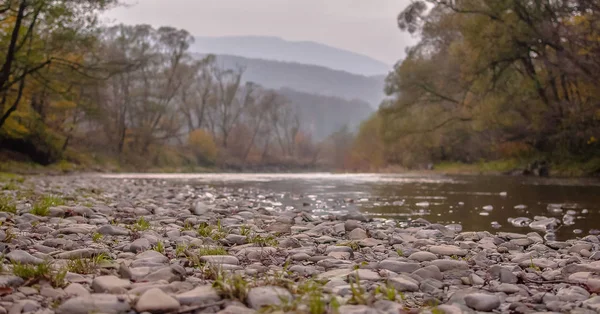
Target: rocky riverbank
{"x": 92, "y": 245}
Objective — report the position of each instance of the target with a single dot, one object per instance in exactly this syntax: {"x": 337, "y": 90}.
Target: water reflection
{"x": 556, "y": 208}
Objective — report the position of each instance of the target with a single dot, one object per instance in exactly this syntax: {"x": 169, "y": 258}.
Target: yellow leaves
{"x": 14, "y": 129}
{"x": 203, "y": 145}
{"x": 579, "y": 20}
{"x": 592, "y": 140}
{"x": 64, "y": 104}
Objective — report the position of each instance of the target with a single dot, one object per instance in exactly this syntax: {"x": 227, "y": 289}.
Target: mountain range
{"x": 278, "y": 49}
{"x": 329, "y": 87}
{"x": 307, "y": 78}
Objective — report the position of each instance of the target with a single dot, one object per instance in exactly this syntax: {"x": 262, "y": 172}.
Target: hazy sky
{"x": 363, "y": 26}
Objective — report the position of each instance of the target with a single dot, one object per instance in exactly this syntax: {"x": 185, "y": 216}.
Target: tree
{"x": 487, "y": 73}
{"x": 36, "y": 34}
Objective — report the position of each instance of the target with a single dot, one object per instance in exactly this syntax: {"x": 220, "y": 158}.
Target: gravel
{"x": 156, "y": 246}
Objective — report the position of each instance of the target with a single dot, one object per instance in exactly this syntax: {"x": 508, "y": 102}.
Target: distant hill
{"x": 308, "y": 78}
{"x": 323, "y": 115}
{"x": 306, "y": 52}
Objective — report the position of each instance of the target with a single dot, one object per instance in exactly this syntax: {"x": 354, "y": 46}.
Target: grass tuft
{"x": 42, "y": 206}
{"x": 231, "y": 287}
{"x": 263, "y": 241}
{"x": 180, "y": 250}
{"x": 97, "y": 237}
{"x": 28, "y": 272}
{"x": 7, "y": 205}
{"x": 141, "y": 225}
{"x": 212, "y": 250}
{"x": 159, "y": 247}
{"x": 245, "y": 230}
{"x": 11, "y": 186}
{"x": 216, "y": 233}
{"x": 86, "y": 266}
{"x": 187, "y": 226}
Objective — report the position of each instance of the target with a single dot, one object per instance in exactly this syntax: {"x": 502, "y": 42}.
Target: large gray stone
{"x": 99, "y": 303}
{"x": 447, "y": 250}
{"x": 357, "y": 234}
{"x": 201, "y": 208}
{"x": 198, "y": 296}
{"x": 446, "y": 264}
{"x": 270, "y": 295}
{"x": 78, "y": 290}
{"x": 156, "y": 301}
{"x": 404, "y": 283}
{"x": 112, "y": 230}
{"x": 430, "y": 271}
{"x": 110, "y": 284}
{"x": 572, "y": 294}
{"x": 398, "y": 267}
{"x": 482, "y": 301}
{"x": 168, "y": 274}
{"x": 220, "y": 259}
{"x": 422, "y": 256}
{"x": 139, "y": 245}
{"x": 10, "y": 281}
{"x": 593, "y": 303}
{"x": 357, "y": 309}
{"x": 365, "y": 274}
{"x": 22, "y": 257}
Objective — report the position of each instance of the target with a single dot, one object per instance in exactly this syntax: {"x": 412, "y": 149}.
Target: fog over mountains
{"x": 330, "y": 87}
{"x": 278, "y": 49}
{"x": 308, "y": 78}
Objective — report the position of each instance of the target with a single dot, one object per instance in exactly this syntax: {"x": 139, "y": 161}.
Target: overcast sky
{"x": 363, "y": 26}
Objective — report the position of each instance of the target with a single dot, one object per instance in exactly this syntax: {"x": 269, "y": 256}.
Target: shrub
{"x": 203, "y": 146}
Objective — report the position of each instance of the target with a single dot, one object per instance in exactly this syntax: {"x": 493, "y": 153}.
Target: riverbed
{"x": 558, "y": 209}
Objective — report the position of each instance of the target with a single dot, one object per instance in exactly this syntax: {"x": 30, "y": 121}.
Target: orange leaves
{"x": 203, "y": 146}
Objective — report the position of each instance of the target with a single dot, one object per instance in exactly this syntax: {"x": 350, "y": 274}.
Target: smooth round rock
{"x": 482, "y": 301}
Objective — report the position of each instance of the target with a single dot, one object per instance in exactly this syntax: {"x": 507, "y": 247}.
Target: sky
{"x": 363, "y": 26}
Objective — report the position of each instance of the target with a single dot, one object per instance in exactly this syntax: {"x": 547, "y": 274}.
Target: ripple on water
{"x": 520, "y": 221}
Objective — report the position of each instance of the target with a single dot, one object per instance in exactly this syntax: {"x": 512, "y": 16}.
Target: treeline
{"x": 491, "y": 80}
{"x": 73, "y": 90}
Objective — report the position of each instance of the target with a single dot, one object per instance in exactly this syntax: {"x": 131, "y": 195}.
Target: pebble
{"x": 403, "y": 284}
{"x": 100, "y": 303}
{"x": 273, "y": 249}
{"x": 110, "y": 284}
{"x": 357, "y": 234}
{"x": 112, "y": 230}
{"x": 422, "y": 256}
{"x": 220, "y": 259}
{"x": 268, "y": 295}
{"x": 22, "y": 257}
{"x": 199, "y": 295}
{"x": 156, "y": 301}
{"x": 482, "y": 301}
{"x": 398, "y": 267}
{"x": 448, "y": 250}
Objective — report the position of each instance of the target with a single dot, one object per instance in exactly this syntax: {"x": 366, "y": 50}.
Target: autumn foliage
{"x": 492, "y": 79}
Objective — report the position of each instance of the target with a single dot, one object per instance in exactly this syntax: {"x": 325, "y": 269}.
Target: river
{"x": 556, "y": 208}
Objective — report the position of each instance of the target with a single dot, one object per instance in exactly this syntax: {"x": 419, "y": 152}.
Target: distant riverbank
{"x": 513, "y": 167}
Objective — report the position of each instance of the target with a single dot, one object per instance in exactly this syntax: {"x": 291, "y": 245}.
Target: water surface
{"x": 492, "y": 203}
